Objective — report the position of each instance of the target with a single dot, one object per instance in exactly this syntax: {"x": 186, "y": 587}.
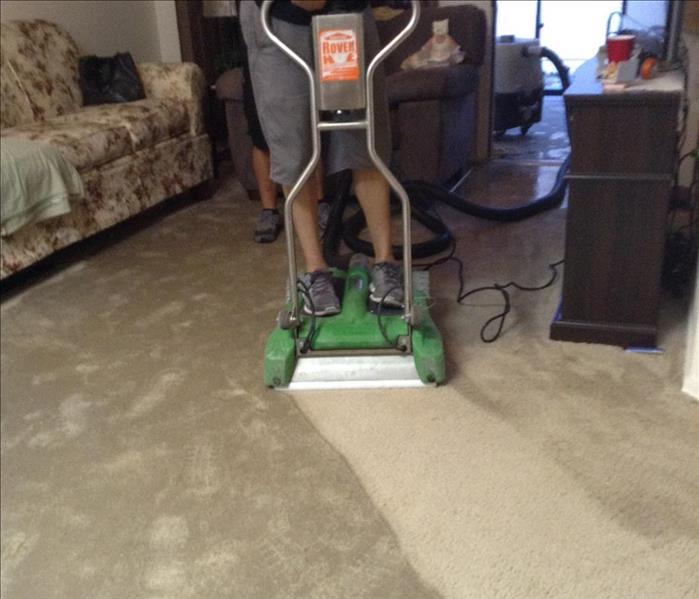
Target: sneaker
{"x": 322, "y": 292}
{"x": 323, "y": 216}
{"x": 268, "y": 226}
{"x": 387, "y": 285}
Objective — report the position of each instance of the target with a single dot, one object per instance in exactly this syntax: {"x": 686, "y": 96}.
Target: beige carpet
{"x": 141, "y": 456}
{"x": 543, "y": 469}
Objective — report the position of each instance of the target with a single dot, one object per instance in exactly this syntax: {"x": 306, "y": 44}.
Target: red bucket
{"x": 620, "y": 47}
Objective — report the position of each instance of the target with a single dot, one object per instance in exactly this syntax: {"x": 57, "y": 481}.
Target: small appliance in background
{"x": 519, "y": 82}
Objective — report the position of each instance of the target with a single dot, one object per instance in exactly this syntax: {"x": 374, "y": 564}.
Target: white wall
{"x": 691, "y": 370}
{"x": 648, "y": 12}
{"x": 146, "y": 28}
{"x": 166, "y": 19}
{"x": 691, "y": 366}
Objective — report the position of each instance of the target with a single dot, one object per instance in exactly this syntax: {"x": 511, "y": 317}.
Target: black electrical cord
{"x": 442, "y": 260}
{"x": 681, "y": 244}
{"x": 461, "y": 295}
{"x": 305, "y": 291}
{"x": 500, "y": 318}
{"x": 692, "y": 153}
{"x": 382, "y": 325}
{"x": 680, "y": 255}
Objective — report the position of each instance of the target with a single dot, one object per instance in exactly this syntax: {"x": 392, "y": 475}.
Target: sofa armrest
{"x": 432, "y": 83}
{"x": 183, "y": 81}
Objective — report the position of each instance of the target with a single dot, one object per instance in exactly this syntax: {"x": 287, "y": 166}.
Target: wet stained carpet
{"x": 142, "y": 456}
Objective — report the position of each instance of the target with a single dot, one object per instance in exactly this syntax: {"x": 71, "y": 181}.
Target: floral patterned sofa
{"x": 130, "y": 156}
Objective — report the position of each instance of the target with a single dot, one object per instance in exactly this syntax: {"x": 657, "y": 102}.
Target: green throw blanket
{"x": 37, "y": 183}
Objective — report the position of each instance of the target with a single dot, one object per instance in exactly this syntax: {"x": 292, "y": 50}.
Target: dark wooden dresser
{"x": 623, "y": 155}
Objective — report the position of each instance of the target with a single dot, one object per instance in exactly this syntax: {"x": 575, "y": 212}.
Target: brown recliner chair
{"x": 229, "y": 89}
{"x": 433, "y": 110}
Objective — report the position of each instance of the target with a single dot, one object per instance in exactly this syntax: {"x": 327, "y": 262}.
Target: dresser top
{"x": 586, "y": 87}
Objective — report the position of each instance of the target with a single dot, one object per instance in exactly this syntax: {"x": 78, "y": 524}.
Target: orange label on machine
{"x": 338, "y": 55}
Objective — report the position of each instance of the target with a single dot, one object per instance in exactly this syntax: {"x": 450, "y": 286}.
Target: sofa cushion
{"x": 431, "y": 84}
{"x": 183, "y": 82}
{"x": 148, "y": 121}
{"x": 45, "y": 60}
{"x": 15, "y": 107}
{"x": 85, "y": 144}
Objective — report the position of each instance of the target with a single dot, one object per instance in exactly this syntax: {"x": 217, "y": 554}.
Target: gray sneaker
{"x": 323, "y": 297}
{"x": 387, "y": 285}
{"x": 268, "y": 225}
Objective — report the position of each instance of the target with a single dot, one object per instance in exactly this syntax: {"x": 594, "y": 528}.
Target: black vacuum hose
{"x": 421, "y": 211}
{"x": 562, "y": 69}
{"x": 341, "y": 185}
{"x": 508, "y": 215}
{"x": 423, "y": 196}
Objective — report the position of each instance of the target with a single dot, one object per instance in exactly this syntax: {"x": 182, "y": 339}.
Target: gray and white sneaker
{"x": 387, "y": 285}
{"x": 268, "y": 226}
{"x": 324, "y": 300}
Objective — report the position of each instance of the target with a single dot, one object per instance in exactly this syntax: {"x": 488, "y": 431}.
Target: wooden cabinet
{"x": 623, "y": 156}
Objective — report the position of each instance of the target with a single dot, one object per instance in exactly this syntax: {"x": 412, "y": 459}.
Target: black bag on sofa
{"x": 109, "y": 79}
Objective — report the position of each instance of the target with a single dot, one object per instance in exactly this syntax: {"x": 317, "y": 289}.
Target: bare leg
{"x": 372, "y": 191}
{"x": 316, "y": 181}
{"x": 306, "y": 223}
{"x": 267, "y": 187}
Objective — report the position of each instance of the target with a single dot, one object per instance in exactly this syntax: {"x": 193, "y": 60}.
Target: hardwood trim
{"x": 203, "y": 40}
{"x": 185, "y": 24}
{"x": 663, "y": 178}
{"x": 623, "y": 335}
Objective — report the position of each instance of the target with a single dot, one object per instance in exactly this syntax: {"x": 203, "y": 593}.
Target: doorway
{"x": 573, "y": 29}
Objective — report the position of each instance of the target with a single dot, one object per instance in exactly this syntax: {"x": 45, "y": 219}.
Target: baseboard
{"x": 621, "y": 334}
{"x": 691, "y": 387}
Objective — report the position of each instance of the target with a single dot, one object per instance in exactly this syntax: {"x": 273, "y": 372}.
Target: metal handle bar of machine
{"x": 318, "y": 126}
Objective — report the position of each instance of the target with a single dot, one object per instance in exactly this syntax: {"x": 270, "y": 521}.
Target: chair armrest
{"x": 431, "y": 83}
{"x": 182, "y": 81}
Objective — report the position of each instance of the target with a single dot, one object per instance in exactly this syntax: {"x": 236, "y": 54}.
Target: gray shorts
{"x": 282, "y": 99}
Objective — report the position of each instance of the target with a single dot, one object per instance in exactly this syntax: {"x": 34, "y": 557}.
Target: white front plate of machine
{"x": 354, "y": 372}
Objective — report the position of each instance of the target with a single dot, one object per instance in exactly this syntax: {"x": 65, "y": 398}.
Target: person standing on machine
{"x": 282, "y": 98}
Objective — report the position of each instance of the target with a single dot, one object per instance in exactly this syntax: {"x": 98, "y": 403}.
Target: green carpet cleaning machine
{"x": 360, "y": 347}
